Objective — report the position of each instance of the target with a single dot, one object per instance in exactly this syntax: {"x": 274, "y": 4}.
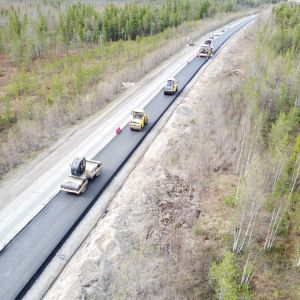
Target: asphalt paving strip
{"x": 26, "y": 256}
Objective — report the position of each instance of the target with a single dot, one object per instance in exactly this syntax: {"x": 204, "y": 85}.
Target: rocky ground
{"x": 169, "y": 220}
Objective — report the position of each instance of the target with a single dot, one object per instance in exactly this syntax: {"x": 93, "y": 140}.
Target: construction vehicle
{"x": 210, "y": 43}
{"x": 171, "y": 87}
{"x": 138, "y": 119}
{"x": 82, "y": 170}
{"x": 191, "y": 42}
{"x": 205, "y": 51}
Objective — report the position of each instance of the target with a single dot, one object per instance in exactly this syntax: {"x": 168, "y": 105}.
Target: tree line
{"x": 267, "y": 198}
{"x": 26, "y": 38}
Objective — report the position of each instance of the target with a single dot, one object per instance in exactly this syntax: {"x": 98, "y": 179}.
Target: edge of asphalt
{"x": 99, "y": 210}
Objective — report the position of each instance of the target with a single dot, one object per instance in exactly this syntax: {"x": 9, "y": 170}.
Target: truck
{"x": 82, "y": 170}
{"x": 138, "y": 119}
{"x": 205, "y": 51}
{"x": 171, "y": 87}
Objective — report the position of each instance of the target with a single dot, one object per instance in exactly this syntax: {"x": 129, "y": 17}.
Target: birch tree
{"x": 281, "y": 207}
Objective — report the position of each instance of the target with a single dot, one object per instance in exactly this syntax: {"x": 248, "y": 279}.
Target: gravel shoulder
{"x": 167, "y": 223}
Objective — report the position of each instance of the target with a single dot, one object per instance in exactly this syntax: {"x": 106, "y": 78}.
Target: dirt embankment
{"x": 169, "y": 220}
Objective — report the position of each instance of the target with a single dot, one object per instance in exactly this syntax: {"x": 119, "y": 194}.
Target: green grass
{"x": 193, "y": 121}
{"x": 197, "y": 230}
{"x": 230, "y": 200}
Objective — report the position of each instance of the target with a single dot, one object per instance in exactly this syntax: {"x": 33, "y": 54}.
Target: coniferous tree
{"x": 2, "y": 43}
{"x": 42, "y": 34}
{"x": 133, "y": 22}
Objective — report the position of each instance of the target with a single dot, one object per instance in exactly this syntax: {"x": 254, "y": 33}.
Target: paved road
{"x": 22, "y": 260}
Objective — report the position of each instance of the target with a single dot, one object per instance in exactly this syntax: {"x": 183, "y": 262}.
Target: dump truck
{"x": 171, "y": 87}
{"x": 82, "y": 170}
{"x": 205, "y": 51}
{"x": 138, "y": 119}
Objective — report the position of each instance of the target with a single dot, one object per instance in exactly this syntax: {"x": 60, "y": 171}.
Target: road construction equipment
{"x": 191, "y": 42}
{"x": 138, "y": 119}
{"x": 82, "y": 170}
{"x": 171, "y": 87}
{"x": 205, "y": 51}
{"x": 210, "y": 43}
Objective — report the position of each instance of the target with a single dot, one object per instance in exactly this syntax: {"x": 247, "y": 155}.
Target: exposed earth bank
{"x": 169, "y": 220}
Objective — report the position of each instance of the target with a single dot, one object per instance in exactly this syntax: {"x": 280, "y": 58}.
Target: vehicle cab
{"x": 78, "y": 166}
{"x": 138, "y": 119}
{"x": 209, "y": 42}
{"x": 171, "y": 87}
{"x": 205, "y": 51}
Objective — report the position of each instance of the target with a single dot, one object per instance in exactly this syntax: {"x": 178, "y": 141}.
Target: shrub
{"x": 230, "y": 200}
{"x": 197, "y": 229}
{"x": 283, "y": 228}
{"x": 223, "y": 278}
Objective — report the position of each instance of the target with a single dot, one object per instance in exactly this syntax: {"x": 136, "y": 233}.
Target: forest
{"x": 26, "y": 36}
{"x": 266, "y": 205}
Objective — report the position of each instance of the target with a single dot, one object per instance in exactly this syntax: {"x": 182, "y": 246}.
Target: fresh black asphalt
{"x": 24, "y": 258}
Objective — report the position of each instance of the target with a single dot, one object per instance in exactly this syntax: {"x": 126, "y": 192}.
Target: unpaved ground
{"x": 169, "y": 219}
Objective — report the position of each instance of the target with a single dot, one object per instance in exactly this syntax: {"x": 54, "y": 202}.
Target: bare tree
{"x": 250, "y": 203}
{"x": 248, "y": 271}
{"x": 281, "y": 206}
{"x": 248, "y": 198}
